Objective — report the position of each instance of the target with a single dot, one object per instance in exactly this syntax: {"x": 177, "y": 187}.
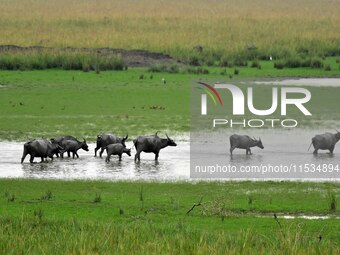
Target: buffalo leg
{"x": 137, "y": 156}
{"x": 331, "y": 149}
{"x": 120, "y": 157}
{"x": 23, "y": 156}
{"x": 315, "y": 151}
{"x": 42, "y": 159}
{"x": 95, "y": 151}
{"x": 156, "y": 155}
{"x": 77, "y": 154}
{"x": 232, "y": 148}
{"x": 249, "y": 151}
{"x": 101, "y": 152}
{"x": 31, "y": 159}
{"x": 108, "y": 158}
{"x": 68, "y": 154}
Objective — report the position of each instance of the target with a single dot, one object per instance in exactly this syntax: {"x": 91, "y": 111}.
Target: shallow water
{"x": 173, "y": 164}
{"x": 281, "y": 147}
{"x": 314, "y": 82}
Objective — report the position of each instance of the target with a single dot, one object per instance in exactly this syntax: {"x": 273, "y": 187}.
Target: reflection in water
{"x": 245, "y": 159}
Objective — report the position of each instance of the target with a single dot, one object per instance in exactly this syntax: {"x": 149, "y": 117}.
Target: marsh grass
{"x": 77, "y": 237}
{"x": 39, "y": 60}
{"x": 97, "y": 198}
{"x": 224, "y": 223}
{"x": 331, "y": 201}
{"x": 233, "y": 30}
{"x": 47, "y": 196}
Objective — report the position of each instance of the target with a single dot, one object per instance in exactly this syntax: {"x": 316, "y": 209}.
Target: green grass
{"x": 72, "y": 222}
{"x": 84, "y": 104}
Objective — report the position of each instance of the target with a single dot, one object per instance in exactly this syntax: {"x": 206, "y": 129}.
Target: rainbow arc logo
{"x": 208, "y": 89}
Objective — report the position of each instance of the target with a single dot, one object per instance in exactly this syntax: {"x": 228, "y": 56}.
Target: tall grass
{"x": 27, "y": 235}
{"x": 225, "y": 29}
{"x": 39, "y": 60}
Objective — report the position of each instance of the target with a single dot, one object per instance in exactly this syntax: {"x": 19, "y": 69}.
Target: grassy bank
{"x": 227, "y": 30}
{"x": 54, "y": 102}
{"x": 85, "y": 217}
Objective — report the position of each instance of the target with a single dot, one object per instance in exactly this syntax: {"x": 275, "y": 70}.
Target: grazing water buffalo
{"x": 151, "y": 144}
{"x": 73, "y": 146}
{"x": 325, "y": 141}
{"x": 116, "y": 149}
{"x": 106, "y": 139}
{"x": 244, "y": 142}
{"x": 59, "y": 141}
{"x": 40, "y": 148}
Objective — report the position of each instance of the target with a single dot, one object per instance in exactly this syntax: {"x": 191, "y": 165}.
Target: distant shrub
{"x": 224, "y": 62}
{"x": 255, "y": 64}
{"x": 164, "y": 68}
{"x": 194, "y": 60}
{"x": 36, "y": 60}
{"x": 240, "y": 62}
{"x": 279, "y": 65}
{"x": 316, "y": 63}
{"x": 197, "y": 70}
{"x": 299, "y": 62}
{"x": 223, "y": 72}
{"x": 328, "y": 68}
{"x": 157, "y": 68}
{"x": 293, "y": 63}
{"x": 173, "y": 69}
{"x": 236, "y": 71}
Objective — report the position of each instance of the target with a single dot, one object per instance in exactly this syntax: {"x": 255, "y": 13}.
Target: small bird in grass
{"x": 270, "y": 58}
{"x": 164, "y": 81}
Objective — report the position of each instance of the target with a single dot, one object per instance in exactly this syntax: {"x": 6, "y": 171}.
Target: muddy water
{"x": 281, "y": 147}
{"x": 173, "y": 164}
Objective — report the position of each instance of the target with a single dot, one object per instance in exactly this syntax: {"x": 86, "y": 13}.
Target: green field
{"x": 85, "y": 104}
{"x": 90, "y": 217}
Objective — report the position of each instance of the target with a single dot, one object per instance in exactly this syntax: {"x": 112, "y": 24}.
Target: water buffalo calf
{"x": 106, "y": 139}
{"x": 116, "y": 149}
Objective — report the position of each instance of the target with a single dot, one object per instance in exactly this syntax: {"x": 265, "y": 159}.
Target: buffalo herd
{"x": 115, "y": 145}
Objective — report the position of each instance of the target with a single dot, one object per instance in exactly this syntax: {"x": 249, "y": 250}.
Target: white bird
{"x": 270, "y": 58}
{"x": 164, "y": 81}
